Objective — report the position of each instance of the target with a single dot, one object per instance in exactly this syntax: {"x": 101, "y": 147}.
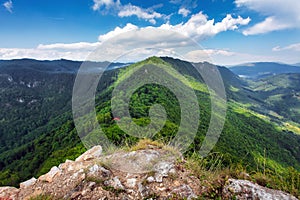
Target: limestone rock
{"x": 92, "y": 153}
{"x": 243, "y": 190}
{"x": 161, "y": 170}
{"x": 131, "y": 183}
{"x": 8, "y": 193}
{"x": 185, "y": 191}
{"x": 28, "y": 183}
{"x": 50, "y": 175}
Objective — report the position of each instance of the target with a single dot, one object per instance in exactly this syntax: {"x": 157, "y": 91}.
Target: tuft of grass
{"x": 113, "y": 190}
{"x": 146, "y": 144}
{"x": 106, "y": 163}
{"x": 42, "y": 197}
{"x": 97, "y": 180}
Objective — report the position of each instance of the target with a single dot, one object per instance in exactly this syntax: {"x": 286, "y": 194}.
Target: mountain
{"x": 249, "y": 139}
{"x": 263, "y": 69}
{"x": 35, "y": 108}
{"x": 297, "y": 64}
{"x": 280, "y": 94}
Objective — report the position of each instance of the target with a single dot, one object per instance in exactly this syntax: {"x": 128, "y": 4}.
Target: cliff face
{"x": 151, "y": 173}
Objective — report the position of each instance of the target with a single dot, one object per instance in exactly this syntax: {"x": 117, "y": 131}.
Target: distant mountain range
{"x": 55, "y": 66}
{"x": 263, "y": 69}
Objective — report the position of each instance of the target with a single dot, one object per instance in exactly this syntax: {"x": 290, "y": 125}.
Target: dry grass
{"x": 146, "y": 144}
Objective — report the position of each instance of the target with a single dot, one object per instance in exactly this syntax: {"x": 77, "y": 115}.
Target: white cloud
{"x": 40, "y": 54}
{"x": 225, "y": 57}
{"x": 279, "y": 14}
{"x": 163, "y": 40}
{"x": 184, "y": 12}
{"x": 72, "y": 46}
{"x": 130, "y": 10}
{"x": 268, "y": 25}
{"x": 107, "y": 4}
{"x": 199, "y": 27}
{"x": 292, "y": 47}
{"x": 8, "y": 6}
{"x": 117, "y": 31}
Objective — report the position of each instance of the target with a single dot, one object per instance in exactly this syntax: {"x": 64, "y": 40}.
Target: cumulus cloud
{"x": 117, "y": 31}
{"x": 184, "y": 12}
{"x": 279, "y": 15}
{"x": 107, "y": 4}
{"x": 292, "y": 47}
{"x": 268, "y": 25}
{"x": 8, "y": 6}
{"x": 130, "y": 10}
{"x": 199, "y": 27}
{"x": 162, "y": 40}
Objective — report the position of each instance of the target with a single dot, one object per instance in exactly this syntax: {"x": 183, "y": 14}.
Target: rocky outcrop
{"x": 244, "y": 190}
{"x": 153, "y": 173}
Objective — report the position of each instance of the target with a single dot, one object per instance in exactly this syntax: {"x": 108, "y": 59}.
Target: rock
{"x": 161, "y": 170}
{"x": 172, "y": 171}
{"x": 143, "y": 191}
{"x": 243, "y": 189}
{"x": 131, "y": 183}
{"x": 50, "y": 175}
{"x": 116, "y": 183}
{"x": 65, "y": 165}
{"x": 92, "y": 153}
{"x": 150, "y": 179}
{"x": 184, "y": 191}
{"x": 95, "y": 169}
{"x": 8, "y": 193}
{"x": 153, "y": 175}
{"x": 28, "y": 183}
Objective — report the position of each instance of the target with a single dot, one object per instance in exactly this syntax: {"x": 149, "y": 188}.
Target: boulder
{"x": 28, "y": 183}
{"x": 92, "y": 153}
{"x": 49, "y": 177}
{"x": 244, "y": 190}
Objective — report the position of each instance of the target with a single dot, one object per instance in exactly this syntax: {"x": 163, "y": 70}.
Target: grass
{"x": 213, "y": 174}
{"x": 292, "y": 126}
{"x": 145, "y": 144}
{"x": 42, "y": 197}
{"x": 113, "y": 190}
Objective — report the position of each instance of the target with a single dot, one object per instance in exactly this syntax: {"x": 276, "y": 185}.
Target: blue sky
{"x": 224, "y": 32}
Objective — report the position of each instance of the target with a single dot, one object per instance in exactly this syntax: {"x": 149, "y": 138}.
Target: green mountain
{"x": 280, "y": 97}
{"x": 263, "y": 69}
{"x": 249, "y": 138}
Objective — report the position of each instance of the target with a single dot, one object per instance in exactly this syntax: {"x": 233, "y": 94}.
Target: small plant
{"x": 113, "y": 190}
{"x": 42, "y": 197}
{"x": 97, "y": 180}
{"x": 106, "y": 163}
{"x": 152, "y": 196}
{"x": 173, "y": 176}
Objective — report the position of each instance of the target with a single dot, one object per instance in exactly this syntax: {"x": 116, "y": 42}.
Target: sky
{"x": 224, "y": 32}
